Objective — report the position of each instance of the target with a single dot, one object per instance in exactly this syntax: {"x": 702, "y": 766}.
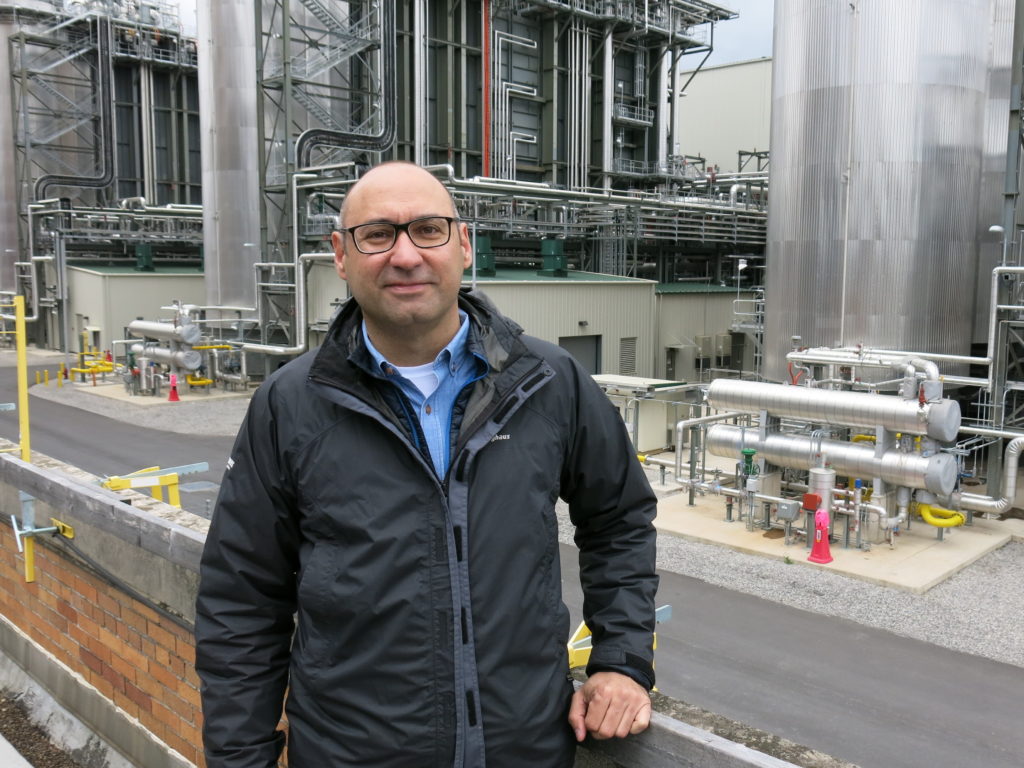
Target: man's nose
{"x": 404, "y": 252}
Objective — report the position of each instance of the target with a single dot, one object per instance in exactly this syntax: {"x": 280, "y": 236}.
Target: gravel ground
{"x": 31, "y": 741}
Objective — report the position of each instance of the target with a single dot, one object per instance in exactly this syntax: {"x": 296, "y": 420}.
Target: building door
{"x": 586, "y": 350}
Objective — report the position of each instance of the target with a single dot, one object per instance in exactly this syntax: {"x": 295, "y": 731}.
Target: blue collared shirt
{"x": 454, "y": 368}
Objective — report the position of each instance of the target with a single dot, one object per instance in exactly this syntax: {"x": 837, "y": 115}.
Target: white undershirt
{"x": 422, "y": 376}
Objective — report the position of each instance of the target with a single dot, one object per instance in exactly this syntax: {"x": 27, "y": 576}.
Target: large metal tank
{"x": 231, "y": 153}
{"x": 11, "y": 17}
{"x": 876, "y": 138}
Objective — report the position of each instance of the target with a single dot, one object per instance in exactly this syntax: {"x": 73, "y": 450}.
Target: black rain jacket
{"x": 415, "y": 620}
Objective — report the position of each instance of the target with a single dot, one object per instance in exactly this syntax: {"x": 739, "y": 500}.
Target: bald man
{"x": 383, "y": 557}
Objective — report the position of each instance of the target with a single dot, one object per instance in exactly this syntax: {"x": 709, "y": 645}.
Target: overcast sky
{"x": 743, "y": 38}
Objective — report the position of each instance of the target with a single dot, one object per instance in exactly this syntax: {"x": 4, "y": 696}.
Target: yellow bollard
{"x": 39, "y": 378}
{"x": 46, "y": 377}
{"x": 60, "y": 376}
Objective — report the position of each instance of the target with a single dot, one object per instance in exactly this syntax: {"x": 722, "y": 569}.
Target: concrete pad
{"x": 915, "y": 563}
{"x": 113, "y": 389}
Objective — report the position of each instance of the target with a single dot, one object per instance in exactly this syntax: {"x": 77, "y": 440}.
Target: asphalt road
{"x": 107, "y": 447}
{"x": 860, "y": 694}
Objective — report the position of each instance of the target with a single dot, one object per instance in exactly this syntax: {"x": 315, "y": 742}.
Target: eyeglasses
{"x": 380, "y": 236}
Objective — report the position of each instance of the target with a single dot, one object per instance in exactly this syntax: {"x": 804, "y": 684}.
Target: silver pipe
{"x": 684, "y": 424}
{"x": 979, "y": 503}
{"x": 939, "y": 420}
{"x": 299, "y": 324}
{"x": 936, "y": 473}
{"x": 183, "y": 334}
{"x": 189, "y": 359}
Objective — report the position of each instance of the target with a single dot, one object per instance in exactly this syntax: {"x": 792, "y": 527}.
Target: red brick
{"x": 91, "y": 660}
{"x": 67, "y": 612}
{"x": 160, "y": 636}
{"x": 133, "y": 618}
{"x": 86, "y": 590}
{"x": 112, "y": 676}
{"x": 102, "y": 685}
{"x": 164, "y": 676}
{"x": 123, "y": 667}
{"x": 184, "y": 744}
{"x": 141, "y": 699}
{"x": 109, "y": 605}
{"x": 168, "y": 717}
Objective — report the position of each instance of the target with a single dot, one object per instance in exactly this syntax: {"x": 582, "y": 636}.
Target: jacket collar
{"x": 343, "y": 357}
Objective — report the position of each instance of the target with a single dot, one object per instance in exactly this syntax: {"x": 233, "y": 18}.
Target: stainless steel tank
{"x": 231, "y": 180}
{"x": 9, "y": 245}
{"x": 876, "y": 139}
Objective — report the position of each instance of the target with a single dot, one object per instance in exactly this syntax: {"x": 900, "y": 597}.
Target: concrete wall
{"x": 726, "y": 109}
{"x": 111, "y": 301}
{"x": 102, "y": 656}
{"x": 551, "y": 310}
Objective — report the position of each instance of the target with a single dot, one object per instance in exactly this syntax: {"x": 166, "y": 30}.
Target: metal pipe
{"x": 978, "y": 503}
{"x": 685, "y": 424}
{"x": 939, "y": 420}
{"x": 189, "y": 359}
{"x": 183, "y": 334}
{"x": 936, "y": 473}
{"x": 299, "y": 323}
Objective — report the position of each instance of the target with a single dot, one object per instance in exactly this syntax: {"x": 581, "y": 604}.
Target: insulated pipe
{"x": 978, "y": 503}
{"x": 183, "y": 334}
{"x": 189, "y": 359}
{"x": 939, "y": 420}
{"x": 936, "y": 473}
{"x": 939, "y": 517}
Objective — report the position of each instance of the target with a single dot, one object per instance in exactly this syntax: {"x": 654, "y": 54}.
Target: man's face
{"x": 406, "y": 289}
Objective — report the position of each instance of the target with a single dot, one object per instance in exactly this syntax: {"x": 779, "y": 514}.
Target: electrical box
{"x": 788, "y": 511}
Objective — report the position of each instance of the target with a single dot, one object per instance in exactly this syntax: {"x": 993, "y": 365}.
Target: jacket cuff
{"x": 629, "y": 664}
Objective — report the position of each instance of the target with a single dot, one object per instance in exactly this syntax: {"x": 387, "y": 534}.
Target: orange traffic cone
{"x": 820, "y": 552}
{"x": 173, "y": 396}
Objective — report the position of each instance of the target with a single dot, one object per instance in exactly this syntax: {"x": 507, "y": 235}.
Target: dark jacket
{"x": 417, "y": 620}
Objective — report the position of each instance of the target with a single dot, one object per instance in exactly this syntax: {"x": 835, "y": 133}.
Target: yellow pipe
{"x": 19, "y": 336}
{"x": 863, "y": 438}
{"x": 212, "y": 346}
{"x": 940, "y": 517}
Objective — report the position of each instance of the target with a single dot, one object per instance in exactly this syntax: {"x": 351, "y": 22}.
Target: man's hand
{"x": 609, "y": 705}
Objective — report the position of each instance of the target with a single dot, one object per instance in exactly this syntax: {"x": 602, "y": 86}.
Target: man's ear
{"x": 467, "y": 245}
{"x": 338, "y": 241}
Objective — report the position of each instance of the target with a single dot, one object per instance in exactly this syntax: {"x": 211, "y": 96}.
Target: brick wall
{"x": 139, "y": 660}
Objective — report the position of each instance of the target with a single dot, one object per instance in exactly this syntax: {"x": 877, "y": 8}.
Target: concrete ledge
{"x": 670, "y": 743}
{"x": 106, "y": 511}
{"x": 92, "y": 726}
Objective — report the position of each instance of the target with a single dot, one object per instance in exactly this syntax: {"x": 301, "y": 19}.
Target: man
{"x": 385, "y": 545}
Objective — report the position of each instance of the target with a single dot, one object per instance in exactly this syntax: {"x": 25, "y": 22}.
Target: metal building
{"x": 101, "y": 150}
{"x": 551, "y": 123}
